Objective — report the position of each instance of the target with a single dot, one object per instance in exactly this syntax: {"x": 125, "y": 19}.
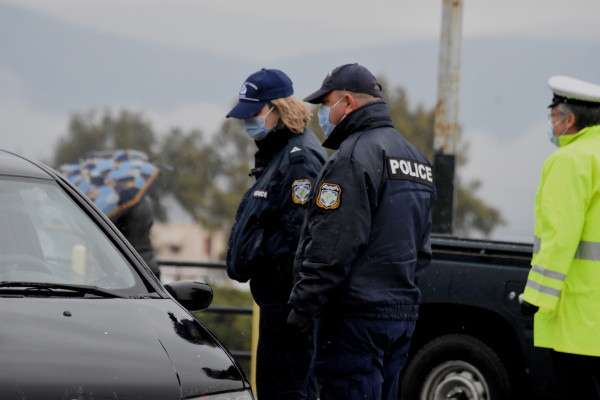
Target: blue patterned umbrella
{"x": 114, "y": 180}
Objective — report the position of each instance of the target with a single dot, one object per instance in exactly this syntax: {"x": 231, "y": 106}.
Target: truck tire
{"x": 458, "y": 367}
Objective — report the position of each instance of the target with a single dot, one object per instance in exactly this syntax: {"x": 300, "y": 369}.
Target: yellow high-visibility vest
{"x": 564, "y": 280}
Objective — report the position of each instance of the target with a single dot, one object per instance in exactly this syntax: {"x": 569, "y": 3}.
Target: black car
{"x": 82, "y": 317}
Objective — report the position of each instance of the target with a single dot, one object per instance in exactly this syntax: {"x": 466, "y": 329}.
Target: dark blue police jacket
{"x": 367, "y": 226}
{"x": 269, "y": 218}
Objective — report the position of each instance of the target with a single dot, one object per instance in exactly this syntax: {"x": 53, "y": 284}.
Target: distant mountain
{"x": 503, "y": 82}
{"x": 65, "y": 67}
{"x": 50, "y": 68}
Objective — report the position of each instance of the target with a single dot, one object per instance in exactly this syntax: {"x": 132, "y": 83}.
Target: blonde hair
{"x": 293, "y": 113}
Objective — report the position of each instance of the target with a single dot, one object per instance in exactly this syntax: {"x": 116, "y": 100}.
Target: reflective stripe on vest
{"x": 548, "y": 273}
{"x": 537, "y": 243}
{"x": 543, "y": 289}
{"x": 589, "y": 251}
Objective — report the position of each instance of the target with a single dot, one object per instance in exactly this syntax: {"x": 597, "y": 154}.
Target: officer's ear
{"x": 570, "y": 121}
{"x": 351, "y": 103}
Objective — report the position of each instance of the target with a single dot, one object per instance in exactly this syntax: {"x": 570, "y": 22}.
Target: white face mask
{"x": 255, "y": 126}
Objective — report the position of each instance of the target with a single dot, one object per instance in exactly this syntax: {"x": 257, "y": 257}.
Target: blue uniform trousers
{"x": 359, "y": 358}
{"x": 576, "y": 376}
{"x": 284, "y": 355}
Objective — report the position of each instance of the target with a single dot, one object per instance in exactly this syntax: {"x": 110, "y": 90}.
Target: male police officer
{"x": 564, "y": 281}
{"x": 365, "y": 233}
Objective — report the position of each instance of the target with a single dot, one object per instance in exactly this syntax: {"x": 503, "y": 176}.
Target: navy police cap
{"x": 574, "y": 91}
{"x": 350, "y": 77}
{"x": 259, "y": 88}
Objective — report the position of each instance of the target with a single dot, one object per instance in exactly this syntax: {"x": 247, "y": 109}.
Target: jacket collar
{"x": 268, "y": 147}
{"x": 568, "y": 139}
{"x": 370, "y": 116}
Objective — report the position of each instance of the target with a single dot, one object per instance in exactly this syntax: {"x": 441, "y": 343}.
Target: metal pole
{"x": 446, "y": 116}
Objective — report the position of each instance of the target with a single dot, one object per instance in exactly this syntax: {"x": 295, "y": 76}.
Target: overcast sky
{"x": 292, "y": 27}
{"x": 262, "y": 32}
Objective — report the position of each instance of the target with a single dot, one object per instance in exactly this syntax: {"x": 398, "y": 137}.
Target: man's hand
{"x": 301, "y": 321}
{"x": 527, "y": 308}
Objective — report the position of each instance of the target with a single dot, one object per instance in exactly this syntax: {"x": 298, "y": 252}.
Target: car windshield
{"x": 46, "y": 237}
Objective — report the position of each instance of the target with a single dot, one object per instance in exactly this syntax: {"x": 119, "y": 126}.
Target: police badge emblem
{"x": 300, "y": 191}
{"x": 329, "y": 196}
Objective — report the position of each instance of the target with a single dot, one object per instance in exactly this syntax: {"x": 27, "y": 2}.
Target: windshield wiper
{"x": 83, "y": 289}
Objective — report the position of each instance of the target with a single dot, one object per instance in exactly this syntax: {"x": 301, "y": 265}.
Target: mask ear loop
{"x": 279, "y": 123}
{"x": 270, "y": 109}
{"x": 562, "y": 120}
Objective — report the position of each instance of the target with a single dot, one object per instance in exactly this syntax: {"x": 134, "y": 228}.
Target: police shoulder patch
{"x": 329, "y": 196}
{"x": 260, "y": 194}
{"x": 300, "y": 191}
{"x": 410, "y": 170}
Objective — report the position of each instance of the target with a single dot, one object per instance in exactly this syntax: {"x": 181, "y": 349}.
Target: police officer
{"x": 265, "y": 234}
{"x": 365, "y": 236}
{"x": 564, "y": 281}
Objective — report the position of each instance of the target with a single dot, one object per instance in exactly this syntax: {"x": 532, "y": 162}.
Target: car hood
{"x": 56, "y": 348}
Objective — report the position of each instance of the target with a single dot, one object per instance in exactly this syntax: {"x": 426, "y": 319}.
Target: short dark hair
{"x": 584, "y": 116}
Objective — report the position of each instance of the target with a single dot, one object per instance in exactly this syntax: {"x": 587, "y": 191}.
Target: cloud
{"x": 10, "y": 85}
{"x": 29, "y": 132}
{"x": 206, "y": 117}
{"x": 260, "y": 32}
{"x": 34, "y": 133}
{"x": 532, "y": 19}
{"x": 266, "y": 29}
{"x": 509, "y": 172}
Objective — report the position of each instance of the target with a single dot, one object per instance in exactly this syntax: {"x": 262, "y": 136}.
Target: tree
{"x": 235, "y": 152}
{"x": 207, "y": 176}
{"x": 192, "y": 167}
{"x": 87, "y": 133}
{"x": 471, "y": 213}
{"x": 235, "y": 331}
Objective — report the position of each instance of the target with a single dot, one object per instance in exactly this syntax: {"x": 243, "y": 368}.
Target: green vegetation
{"x": 208, "y": 175}
{"x": 235, "y": 331}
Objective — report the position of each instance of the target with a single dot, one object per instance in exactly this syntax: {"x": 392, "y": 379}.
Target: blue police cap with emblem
{"x": 350, "y": 77}
{"x": 259, "y": 88}
{"x": 574, "y": 91}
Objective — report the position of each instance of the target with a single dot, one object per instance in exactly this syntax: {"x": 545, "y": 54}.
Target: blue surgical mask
{"x": 323, "y": 115}
{"x": 255, "y": 126}
{"x": 551, "y": 137}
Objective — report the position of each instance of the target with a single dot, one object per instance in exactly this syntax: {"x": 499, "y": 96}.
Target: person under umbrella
{"x": 117, "y": 182}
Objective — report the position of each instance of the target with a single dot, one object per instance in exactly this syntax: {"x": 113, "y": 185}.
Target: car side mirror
{"x": 194, "y": 296}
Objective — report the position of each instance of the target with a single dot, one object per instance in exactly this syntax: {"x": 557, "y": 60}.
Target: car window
{"x": 46, "y": 237}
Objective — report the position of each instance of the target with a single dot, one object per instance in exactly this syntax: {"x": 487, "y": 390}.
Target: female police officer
{"x": 265, "y": 234}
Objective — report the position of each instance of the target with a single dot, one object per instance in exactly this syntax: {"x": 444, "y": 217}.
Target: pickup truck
{"x": 471, "y": 340}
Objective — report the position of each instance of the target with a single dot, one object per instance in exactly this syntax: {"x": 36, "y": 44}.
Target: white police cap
{"x": 574, "y": 91}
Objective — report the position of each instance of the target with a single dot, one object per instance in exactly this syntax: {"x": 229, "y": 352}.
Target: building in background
{"x": 190, "y": 242}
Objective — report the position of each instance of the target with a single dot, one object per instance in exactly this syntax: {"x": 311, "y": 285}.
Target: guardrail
{"x": 237, "y": 310}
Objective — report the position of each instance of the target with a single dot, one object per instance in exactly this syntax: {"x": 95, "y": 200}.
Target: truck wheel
{"x": 458, "y": 367}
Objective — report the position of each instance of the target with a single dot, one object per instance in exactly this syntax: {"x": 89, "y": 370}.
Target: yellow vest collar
{"x": 567, "y": 139}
